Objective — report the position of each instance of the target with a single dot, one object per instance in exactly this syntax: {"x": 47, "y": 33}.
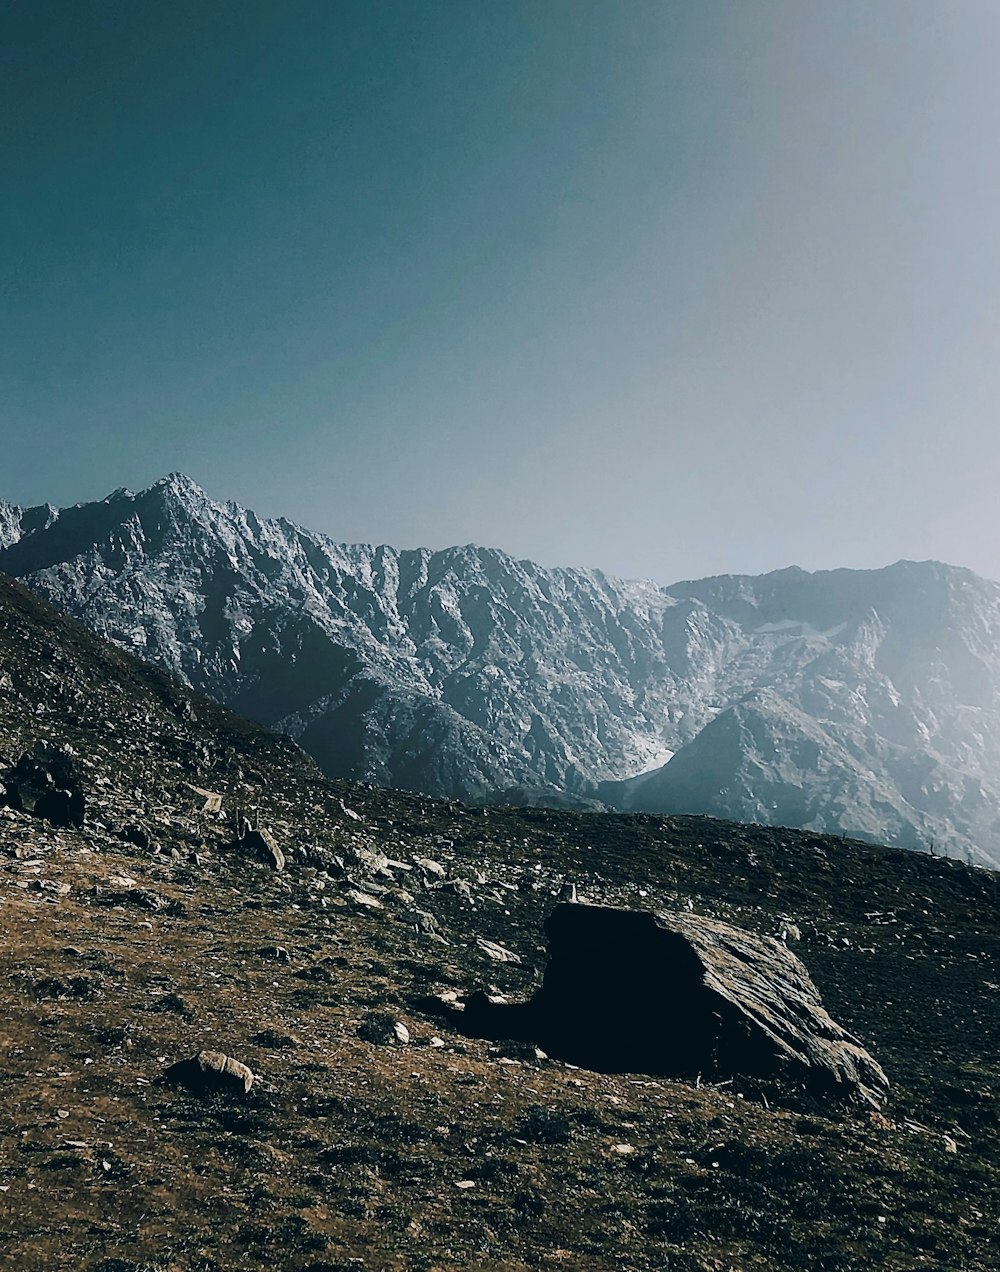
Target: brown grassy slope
{"x": 348, "y": 1154}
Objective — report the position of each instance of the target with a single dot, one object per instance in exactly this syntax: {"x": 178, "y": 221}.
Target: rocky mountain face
{"x": 865, "y": 702}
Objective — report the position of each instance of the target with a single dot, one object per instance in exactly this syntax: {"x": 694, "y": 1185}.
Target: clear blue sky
{"x": 668, "y": 288}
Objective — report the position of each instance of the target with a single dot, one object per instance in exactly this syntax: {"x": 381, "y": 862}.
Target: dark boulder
{"x": 45, "y": 782}
{"x": 680, "y": 995}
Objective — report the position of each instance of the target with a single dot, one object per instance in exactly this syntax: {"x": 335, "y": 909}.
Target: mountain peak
{"x": 180, "y": 484}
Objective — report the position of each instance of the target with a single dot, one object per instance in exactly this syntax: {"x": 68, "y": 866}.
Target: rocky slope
{"x": 378, "y": 1133}
{"x": 865, "y": 702}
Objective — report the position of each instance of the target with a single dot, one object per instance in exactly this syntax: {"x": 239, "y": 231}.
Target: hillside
{"x": 860, "y": 702}
{"x": 127, "y": 954}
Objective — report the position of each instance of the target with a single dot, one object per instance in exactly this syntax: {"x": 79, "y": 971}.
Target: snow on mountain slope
{"x": 861, "y": 701}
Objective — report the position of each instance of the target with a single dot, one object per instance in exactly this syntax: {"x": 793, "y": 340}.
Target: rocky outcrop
{"x": 45, "y": 782}
{"x": 684, "y": 995}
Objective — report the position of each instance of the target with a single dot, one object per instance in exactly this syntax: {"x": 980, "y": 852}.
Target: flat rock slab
{"x": 681, "y": 994}
{"x": 262, "y": 846}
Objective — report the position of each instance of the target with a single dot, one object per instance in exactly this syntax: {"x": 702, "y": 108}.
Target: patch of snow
{"x": 799, "y": 626}
{"x": 653, "y": 762}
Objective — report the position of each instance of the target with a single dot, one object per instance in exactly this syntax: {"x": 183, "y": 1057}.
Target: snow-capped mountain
{"x": 859, "y": 701}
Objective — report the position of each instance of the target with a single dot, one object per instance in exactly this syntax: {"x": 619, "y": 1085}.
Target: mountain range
{"x": 858, "y": 702}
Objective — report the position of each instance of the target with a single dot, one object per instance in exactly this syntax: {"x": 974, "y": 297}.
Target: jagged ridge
{"x": 859, "y": 701}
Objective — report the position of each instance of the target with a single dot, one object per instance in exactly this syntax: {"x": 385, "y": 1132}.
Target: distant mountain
{"x": 865, "y": 702}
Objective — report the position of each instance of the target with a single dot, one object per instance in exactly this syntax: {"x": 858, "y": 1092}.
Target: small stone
{"x": 497, "y": 952}
{"x": 210, "y": 1071}
{"x": 136, "y": 834}
{"x": 428, "y": 924}
{"x": 383, "y": 1030}
{"x": 430, "y": 867}
{"x": 363, "y": 898}
{"x": 276, "y": 1039}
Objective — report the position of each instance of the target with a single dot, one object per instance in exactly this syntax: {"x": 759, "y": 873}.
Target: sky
{"x": 670, "y": 289}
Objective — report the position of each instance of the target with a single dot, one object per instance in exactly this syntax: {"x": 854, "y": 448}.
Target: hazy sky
{"x": 668, "y": 288}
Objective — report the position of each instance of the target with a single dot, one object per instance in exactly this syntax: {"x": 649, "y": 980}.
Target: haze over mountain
{"x": 865, "y": 702}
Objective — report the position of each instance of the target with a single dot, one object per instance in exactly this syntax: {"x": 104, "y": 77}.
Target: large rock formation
{"x": 45, "y": 782}
{"x": 681, "y": 994}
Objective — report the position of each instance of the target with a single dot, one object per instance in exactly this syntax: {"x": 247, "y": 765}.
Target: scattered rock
{"x": 210, "y": 1071}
